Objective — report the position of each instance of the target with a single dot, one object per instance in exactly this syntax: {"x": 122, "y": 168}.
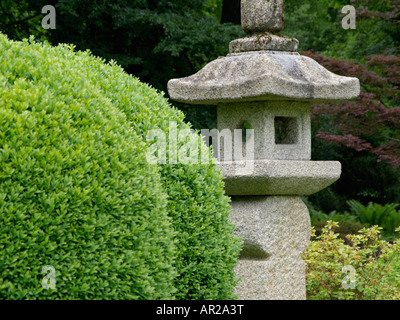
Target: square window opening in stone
{"x": 286, "y": 130}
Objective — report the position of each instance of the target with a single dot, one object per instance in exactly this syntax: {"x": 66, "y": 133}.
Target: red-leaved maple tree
{"x": 372, "y": 121}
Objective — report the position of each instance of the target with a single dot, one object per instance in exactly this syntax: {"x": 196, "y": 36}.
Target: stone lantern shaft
{"x": 265, "y": 84}
{"x": 262, "y": 16}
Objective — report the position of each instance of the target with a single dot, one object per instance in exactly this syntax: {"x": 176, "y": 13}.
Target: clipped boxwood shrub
{"x": 74, "y": 192}
{"x": 207, "y": 249}
{"x": 77, "y": 193}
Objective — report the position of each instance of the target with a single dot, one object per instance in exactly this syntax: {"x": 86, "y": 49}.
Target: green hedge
{"x": 77, "y": 193}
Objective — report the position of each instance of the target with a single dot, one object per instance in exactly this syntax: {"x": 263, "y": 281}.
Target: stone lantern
{"x": 263, "y": 82}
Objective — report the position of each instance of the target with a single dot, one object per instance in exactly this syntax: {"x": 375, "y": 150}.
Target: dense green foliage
{"x": 78, "y": 193}
{"x": 70, "y": 194}
{"x": 348, "y": 224}
{"x": 317, "y": 25}
{"x": 385, "y": 216}
{"x": 363, "y": 178}
{"x": 21, "y": 19}
{"x": 365, "y": 268}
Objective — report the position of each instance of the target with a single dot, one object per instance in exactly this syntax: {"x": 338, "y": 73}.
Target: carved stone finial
{"x": 262, "y": 20}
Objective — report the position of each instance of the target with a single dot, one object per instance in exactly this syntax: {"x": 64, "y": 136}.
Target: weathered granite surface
{"x": 275, "y": 231}
{"x": 263, "y": 117}
{"x": 264, "y": 41}
{"x": 279, "y": 177}
{"x": 273, "y": 279}
{"x": 260, "y": 76}
{"x": 262, "y": 15}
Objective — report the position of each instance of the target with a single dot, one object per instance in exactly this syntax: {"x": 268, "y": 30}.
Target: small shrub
{"x": 344, "y": 228}
{"x": 375, "y": 263}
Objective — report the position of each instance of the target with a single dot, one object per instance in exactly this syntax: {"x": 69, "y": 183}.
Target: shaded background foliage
{"x": 164, "y": 39}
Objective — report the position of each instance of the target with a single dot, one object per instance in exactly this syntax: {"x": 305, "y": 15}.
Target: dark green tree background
{"x": 155, "y": 40}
